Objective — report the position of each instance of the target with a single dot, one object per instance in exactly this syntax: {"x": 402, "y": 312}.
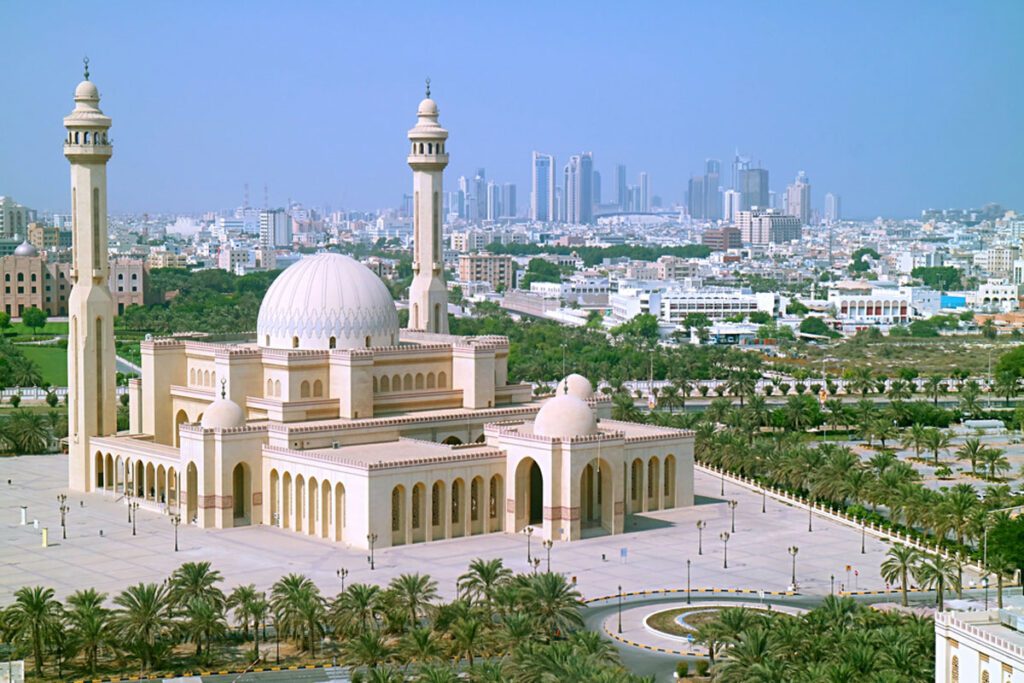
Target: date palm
{"x": 144, "y": 617}
{"x": 995, "y": 462}
{"x": 420, "y": 645}
{"x": 861, "y": 381}
{"x": 194, "y": 580}
{"x": 899, "y": 390}
{"x": 468, "y": 637}
{"x": 934, "y": 387}
{"x": 482, "y": 578}
{"x": 915, "y": 438}
{"x": 89, "y": 623}
{"x": 203, "y": 623}
{"x": 936, "y": 440}
{"x": 298, "y": 608}
{"x": 554, "y": 603}
{"x": 414, "y": 594}
{"x": 240, "y": 601}
{"x": 623, "y": 408}
{"x": 36, "y": 615}
{"x": 369, "y": 649}
{"x": 939, "y": 573}
{"x": 900, "y": 562}
{"x": 973, "y": 451}
{"x": 357, "y": 609}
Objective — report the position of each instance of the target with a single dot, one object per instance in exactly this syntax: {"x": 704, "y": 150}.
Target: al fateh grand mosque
{"x": 335, "y": 423}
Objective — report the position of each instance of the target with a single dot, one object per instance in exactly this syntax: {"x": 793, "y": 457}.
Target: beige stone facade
{"x": 494, "y": 268}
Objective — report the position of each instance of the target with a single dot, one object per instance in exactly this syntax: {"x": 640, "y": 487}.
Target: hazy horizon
{"x": 895, "y": 108}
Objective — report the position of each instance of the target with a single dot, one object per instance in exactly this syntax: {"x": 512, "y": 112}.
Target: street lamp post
{"x": 175, "y": 521}
{"x": 831, "y": 584}
{"x": 863, "y": 534}
{"x": 984, "y": 582}
{"x": 793, "y": 550}
{"x": 700, "y": 536}
{"x": 63, "y": 500}
{"x": 133, "y": 509}
{"x": 687, "y": 582}
{"x": 620, "y": 609}
{"x": 536, "y": 563}
{"x": 763, "y": 495}
{"x": 547, "y": 546}
{"x": 732, "y": 508}
{"x": 722, "y": 473}
{"x": 371, "y": 538}
{"x": 529, "y": 534}
{"x": 810, "y": 515}
{"x": 725, "y": 549}
{"x": 342, "y": 573}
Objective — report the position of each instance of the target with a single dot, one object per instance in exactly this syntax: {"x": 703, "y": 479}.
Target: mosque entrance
{"x": 536, "y": 495}
{"x": 241, "y": 495}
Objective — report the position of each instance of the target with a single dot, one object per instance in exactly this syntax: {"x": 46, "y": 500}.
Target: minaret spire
{"x": 428, "y": 87}
{"x": 85, "y": 64}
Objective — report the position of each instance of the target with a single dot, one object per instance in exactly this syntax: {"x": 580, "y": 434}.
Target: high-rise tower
{"x": 428, "y": 297}
{"x": 91, "y": 369}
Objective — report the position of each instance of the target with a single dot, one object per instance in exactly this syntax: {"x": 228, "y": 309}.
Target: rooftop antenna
{"x": 85, "y": 63}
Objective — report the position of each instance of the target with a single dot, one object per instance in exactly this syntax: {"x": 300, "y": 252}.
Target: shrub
{"x": 784, "y": 388}
{"x": 800, "y": 387}
{"x": 703, "y": 666}
{"x": 682, "y": 668}
{"x": 703, "y": 389}
{"x": 15, "y": 401}
{"x": 52, "y": 400}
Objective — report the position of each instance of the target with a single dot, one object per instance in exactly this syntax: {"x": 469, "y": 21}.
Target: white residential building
{"x": 987, "y": 647}
{"x": 996, "y": 295}
{"x": 860, "y": 305}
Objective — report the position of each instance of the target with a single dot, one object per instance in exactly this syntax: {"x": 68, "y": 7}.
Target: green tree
{"x": 817, "y": 326}
{"x": 939, "y": 573}
{"x": 34, "y": 318}
{"x": 899, "y": 563}
{"x": 553, "y": 602}
{"x": 144, "y": 618}
{"x": 90, "y": 624}
{"x": 36, "y": 616}
{"x": 415, "y": 594}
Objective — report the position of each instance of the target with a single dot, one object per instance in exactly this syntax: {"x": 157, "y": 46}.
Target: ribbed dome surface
{"x": 323, "y": 297}
{"x": 564, "y": 417}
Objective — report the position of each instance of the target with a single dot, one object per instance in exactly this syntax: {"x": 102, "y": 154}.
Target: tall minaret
{"x": 91, "y": 371}
{"x": 428, "y": 297}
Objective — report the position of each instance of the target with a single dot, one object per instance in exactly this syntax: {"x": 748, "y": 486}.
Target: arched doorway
{"x": 437, "y": 510}
{"x": 398, "y": 515}
{"x": 325, "y": 509}
{"x": 496, "y": 504}
{"x": 313, "y": 509}
{"x": 596, "y": 496}
{"x": 529, "y": 494}
{"x": 300, "y": 501}
{"x": 179, "y": 419}
{"x": 636, "y": 486}
{"x": 241, "y": 494}
{"x": 670, "y": 482}
{"x": 653, "y": 484}
{"x": 192, "y": 493}
{"x": 476, "y": 505}
{"x": 108, "y": 473}
{"x": 286, "y": 501}
{"x": 419, "y": 510}
{"x": 98, "y": 469}
{"x": 339, "y": 512}
{"x": 458, "y": 512}
{"x": 139, "y": 484}
{"x": 275, "y": 500}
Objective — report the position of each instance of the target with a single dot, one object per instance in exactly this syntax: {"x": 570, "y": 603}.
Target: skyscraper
{"x": 480, "y": 190}
{"x": 712, "y": 197}
{"x": 833, "y": 208}
{"x": 739, "y": 164}
{"x": 753, "y": 188}
{"x": 579, "y": 197}
{"x": 493, "y": 201}
{"x": 695, "y": 197}
{"x": 798, "y": 199}
{"x": 645, "y": 189}
{"x": 428, "y": 296}
{"x": 91, "y": 362}
{"x": 508, "y": 200}
{"x": 542, "y": 189}
{"x": 464, "y": 195}
{"x": 621, "y": 191}
{"x": 731, "y": 204}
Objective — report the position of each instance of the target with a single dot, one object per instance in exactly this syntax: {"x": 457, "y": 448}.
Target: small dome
{"x": 327, "y": 301}
{"x": 563, "y": 417}
{"x": 428, "y": 107}
{"x": 87, "y": 90}
{"x": 223, "y": 414}
{"x": 26, "y": 248}
{"x": 579, "y": 386}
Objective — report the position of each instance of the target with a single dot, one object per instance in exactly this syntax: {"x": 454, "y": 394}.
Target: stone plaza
{"x": 101, "y": 551}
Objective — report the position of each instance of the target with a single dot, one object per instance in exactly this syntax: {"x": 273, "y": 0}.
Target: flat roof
{"x": 400, "y": 453}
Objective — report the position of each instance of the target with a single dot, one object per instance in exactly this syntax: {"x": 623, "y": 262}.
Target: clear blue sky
{"x": 897, "y": 106}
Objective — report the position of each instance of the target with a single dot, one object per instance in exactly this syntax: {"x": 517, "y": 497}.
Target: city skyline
{"x": 223, "y": 117}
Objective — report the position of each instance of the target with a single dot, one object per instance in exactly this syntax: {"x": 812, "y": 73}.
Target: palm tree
{"x": 937, "y": 440}
{"x": 936, "y": 572}
{"x": 995, "y": 461}
{"x": 624, "y": 409}
{"x": 799, "y": 412}
{"x": 973, "y": 451}
{"x": 934, "y": 387}
{"x": 27, "y": 432}
{"x": 969, "y": 393}
{"x": 440, "y": 673}
{"x": 368, "y": 648}
{"x": 240, "y": 601}
{"x": 204, "y": 621}
{"x": 194, "y": 580}
{"x": 914, "y": 438}
{"x": 258, "y": 609}
{"x": 837, "y": 413}
{"x": 899, "y": 390}
{"x": 861, "y": 381}
{"x": 37, "y": 615}
{"x": 89, "y": 622}
{"x": 668, "y": 398}
{"x": 741, "y": 384}
{"x": 420, "y": 645}
{"x": 900, "y": 561}
{"x": 467, "y": 639}
{"x": 358, "y": 608}
{"x": 1007, "y": 385}
{"x": 483, "y": 577}
{"x": 553, "y": 602}
{"x": 957, "y": 507}
{"x": 145, "y": 617}
{"x": 298, "y": 608}
{"x": 884, "y": 430}
{"x": 413, "y": 593}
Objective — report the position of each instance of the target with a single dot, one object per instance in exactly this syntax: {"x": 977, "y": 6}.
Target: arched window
{"x": 396, "y": 383}
{"x": 318, "y": 388}
{"x": 431, "y": 380}
{"x": 332, "y": 343}
{"x": 277, "y": 388}
{"x": 206, "y": 378}
{"x": 407, "y": 383}
{"x": 385, "y": 384}
{"x": 367, "y": 342}
{"x": 85, "y": 137}
{"x": 295, "y": 342}
{"x": 192, "y": 376}
{"x": 376, "y": 387}
{"x": 430, "y": 148}
{"x": 270, "y": 387}
{"x": 419, "y": 380}
{"x": 304, "y": 389}
{"x": 442, "y": 380}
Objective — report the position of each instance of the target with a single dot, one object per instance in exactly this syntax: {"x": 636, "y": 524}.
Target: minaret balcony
{"x": 91, "y": 150}
{"x": 428, "y": 159}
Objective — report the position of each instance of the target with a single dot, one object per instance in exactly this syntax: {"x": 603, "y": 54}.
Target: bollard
{"x": 24, "y": 515}
{"x": 35, "y": 523}
{"x": 46, "y": 534}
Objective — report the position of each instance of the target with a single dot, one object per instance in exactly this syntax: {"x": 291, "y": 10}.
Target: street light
{"x": 63, "y": 500}
{"x": 175, "y": 520}
{"x": 371, "y": 538}
{"x": 536, "y": 563}
{"x": 793, "y": 550}
{"x": 687, "y": 582}
{"x": 725, "y": 549}
{"x": 133, "y": 508}
{"x": 863, "y": 534}
{"x": 529, "y": 534}
{"x": 342, "y": 573}
{"x": 984, "y": 582}
{"x": 810, "y": 515}
{"x": 722, "y": 473}
{"x": 763, "y": 492}
{"x": 700, "y": 536}
{"x": 620, "y": 609}
{"x": 732, "y": 507}
{"x": 547, "y": 546}
{"x": 831, "y": 584}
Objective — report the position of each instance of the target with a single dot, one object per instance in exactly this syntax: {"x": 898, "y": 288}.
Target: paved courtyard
{"x": 652, "y": 555}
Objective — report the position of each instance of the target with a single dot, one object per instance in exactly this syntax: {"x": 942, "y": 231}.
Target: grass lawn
{"x": 666, "y": 621}
{"x": 51, "y": 329}
{"x": 52, "y": 362}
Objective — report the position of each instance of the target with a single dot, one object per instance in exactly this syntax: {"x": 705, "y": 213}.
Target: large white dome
{"x": 327, "y": 301}
{"x": 563, "y": 417}
{"x": 223, "y": 414}
{"x": 579, "y": 386}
